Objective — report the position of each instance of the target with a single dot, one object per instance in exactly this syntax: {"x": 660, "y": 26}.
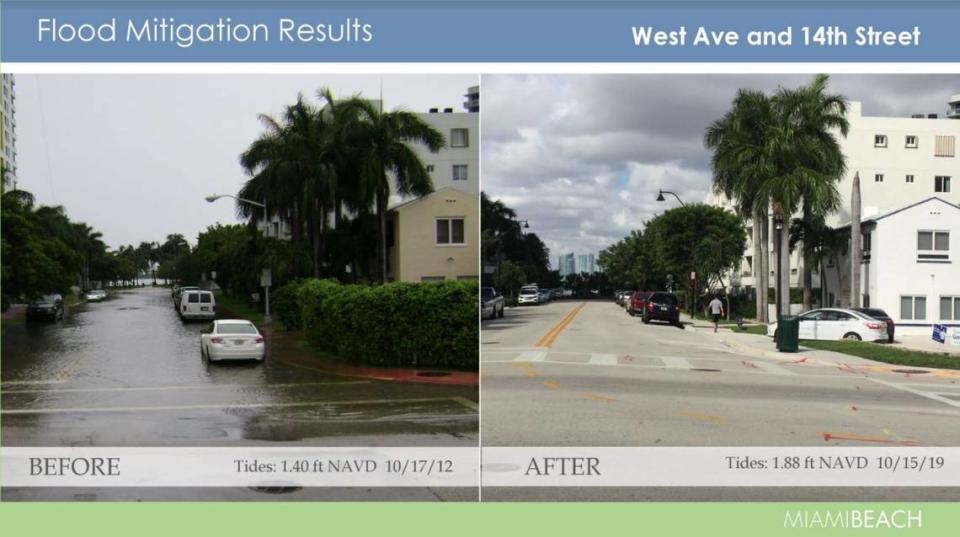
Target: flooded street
{"x": 128, "y": 372}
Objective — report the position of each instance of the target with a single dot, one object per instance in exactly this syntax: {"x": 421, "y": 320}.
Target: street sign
{"x": 266, "y": 278}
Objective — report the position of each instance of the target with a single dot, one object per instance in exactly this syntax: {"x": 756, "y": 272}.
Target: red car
{"x": 638, "y": 302}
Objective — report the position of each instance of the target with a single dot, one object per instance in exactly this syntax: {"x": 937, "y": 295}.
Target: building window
{"x": 866, "y": 246}
{"x": 933, "y": 246}
{"x": 450, "y": 231}
{"x": 941, "y": 183}
{"x": 429, "y": 168}
{"x": 913, "y": 308}
{"x": 459, "y": 138}
{"x": 459, "y": 172}
{"x": 878, "y": 178}
{"x": 909, "y": 178}
{"x": 880, "y": 140}
{"x": 950, "y": 308}
{"x": 944, "y": 146}
{"x": 911, "y": 141}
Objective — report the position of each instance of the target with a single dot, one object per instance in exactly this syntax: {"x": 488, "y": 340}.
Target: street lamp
{"x": 266, "y": 227}
{"x": 661, "y": 198}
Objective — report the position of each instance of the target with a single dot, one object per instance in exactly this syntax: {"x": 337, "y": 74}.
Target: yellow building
{"x": 435, "y": 238}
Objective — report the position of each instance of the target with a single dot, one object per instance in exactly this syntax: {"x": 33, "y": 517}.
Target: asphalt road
{"x": 587, "y": 374}
{"x": 128, "y": 372}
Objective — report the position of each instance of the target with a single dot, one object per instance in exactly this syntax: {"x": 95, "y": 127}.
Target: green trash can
{"x": 788, "y": 333}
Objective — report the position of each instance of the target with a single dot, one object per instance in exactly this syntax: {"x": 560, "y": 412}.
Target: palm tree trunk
{"x": 382, "y": 235}
{"x": 757, "y": 268}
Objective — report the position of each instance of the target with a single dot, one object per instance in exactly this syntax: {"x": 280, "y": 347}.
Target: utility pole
{"x": 856, "y": 248}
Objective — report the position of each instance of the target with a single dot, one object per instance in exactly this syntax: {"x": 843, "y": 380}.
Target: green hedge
{"x": 397, "y": 324}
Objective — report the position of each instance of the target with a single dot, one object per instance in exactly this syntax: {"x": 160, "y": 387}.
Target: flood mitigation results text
{"x": 807, "y": 36}
{"x": 892, "y": 463}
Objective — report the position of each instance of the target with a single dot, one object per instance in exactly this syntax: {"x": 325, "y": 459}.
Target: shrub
{"x": 285, "y": 303}
{"x": 397, "y": 324}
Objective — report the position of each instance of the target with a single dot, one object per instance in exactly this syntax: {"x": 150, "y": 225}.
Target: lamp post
{"x": 778, "y": 226}
{"x": 674, "y": 194}
{"x": 214, "y": 197}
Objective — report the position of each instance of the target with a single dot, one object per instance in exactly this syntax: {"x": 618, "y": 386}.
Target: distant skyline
{"x": 582, "y": 157}
{"x": 135, "y": 155}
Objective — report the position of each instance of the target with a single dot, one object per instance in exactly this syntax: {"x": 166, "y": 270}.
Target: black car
{"x": 47, "y": 308}
{"x": 880, "y": 315}
{"x": 662, "y": 306}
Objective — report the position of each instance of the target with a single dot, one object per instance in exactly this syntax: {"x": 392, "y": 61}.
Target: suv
{"x": 529, "y": 294}
{"x": 662, "y": 306}
{"x": 47, "y": 307}
{"x": 197, "y": 305}
{"x": 637, "y": 303}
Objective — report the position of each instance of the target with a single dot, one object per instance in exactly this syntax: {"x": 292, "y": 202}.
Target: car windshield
{"x": 486, "y": 292}
{"x": 236, "y": 328}
{"x": 45, "y": 300}
{"x": 528, "y": 291}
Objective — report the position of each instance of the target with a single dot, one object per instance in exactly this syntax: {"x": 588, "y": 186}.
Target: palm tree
{"x": 741, "y": 162}
{"x": 379, "y": 148}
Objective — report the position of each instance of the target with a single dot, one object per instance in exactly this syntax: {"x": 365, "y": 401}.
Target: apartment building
{"x": 902, "y": 162}
{"x": 8, "y": 132}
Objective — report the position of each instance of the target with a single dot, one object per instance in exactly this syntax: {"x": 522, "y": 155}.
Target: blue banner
{"x": 491, "y": 31}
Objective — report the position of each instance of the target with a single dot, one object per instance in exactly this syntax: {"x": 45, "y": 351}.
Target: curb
{"x": 389, "y": 374}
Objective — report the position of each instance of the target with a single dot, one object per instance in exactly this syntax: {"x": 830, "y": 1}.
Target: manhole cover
{"x": 705, "y": 370}
{"x": 910, "y": 371}
{"x": 433, "y": 373}
{"x": 275, "y": 490}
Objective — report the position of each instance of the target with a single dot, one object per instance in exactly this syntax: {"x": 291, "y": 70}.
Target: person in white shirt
{"x": 716, "y": 310}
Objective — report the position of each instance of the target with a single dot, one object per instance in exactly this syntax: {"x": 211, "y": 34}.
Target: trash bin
{"x": 788, "y": 333}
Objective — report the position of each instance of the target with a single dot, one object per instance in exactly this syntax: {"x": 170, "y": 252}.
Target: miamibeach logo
{"x": 854, "y": 519}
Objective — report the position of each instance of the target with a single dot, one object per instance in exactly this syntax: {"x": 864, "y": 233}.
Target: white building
{"x": 8, "y": 133}
{"x": 902, "y": 161}
{"x": 457, "y": 164}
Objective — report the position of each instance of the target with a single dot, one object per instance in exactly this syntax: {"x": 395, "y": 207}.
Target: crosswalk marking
{"x": 773, "y": 368}
{"x": 676, "y": 362}
{"x": 603, "y": 359}
{"x": 531, "y": 356}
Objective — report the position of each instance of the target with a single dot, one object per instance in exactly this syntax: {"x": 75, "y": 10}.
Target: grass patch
{"x": 237, "y": 307}
{"x": 11, "y": 322}
{"x": 884, "y": 353}
{"x": 758, "y": 329}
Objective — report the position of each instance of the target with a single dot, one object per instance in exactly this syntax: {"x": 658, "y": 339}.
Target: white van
{"x": 197, "y": 305}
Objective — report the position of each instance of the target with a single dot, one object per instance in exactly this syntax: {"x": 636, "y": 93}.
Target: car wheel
{"x": 775, "y": 332}
{"x": 852, "y": 336}
{"x": 501, "y": 313}
{"x": 646, "y": 320}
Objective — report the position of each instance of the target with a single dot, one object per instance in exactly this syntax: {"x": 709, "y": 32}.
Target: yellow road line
{"x": 550, "y": 384}
{"x": 600, "y": 398}
{"x": 551, "y": 335}
{"x": 702, "y": 417}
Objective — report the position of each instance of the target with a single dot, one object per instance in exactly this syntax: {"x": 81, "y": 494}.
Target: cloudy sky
{"x": 582, "y": 157}
{"x": 134, "y": 155}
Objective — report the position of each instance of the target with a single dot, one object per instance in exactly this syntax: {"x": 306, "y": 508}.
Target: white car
{"x": 837, "y": 323}
{"x": 232, "y": 339}
{"x": 197, "y": 305}
{"x": 96, "y": 295}
{"x": 529, "y": 295}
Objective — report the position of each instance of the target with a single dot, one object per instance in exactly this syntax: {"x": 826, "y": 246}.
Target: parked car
{"x": 197, "y": 305}
{"x": 96, "y": 295}
{"x": 836, "y": 324}
{"x": 46, "y": 308}
{"x": 232, "y": 339}
{"x": 638, "y": 302}
{"x": 556, "y": 293}
{"x": 529, "y": 294}
{"x": 491, "y": 303}
{"x": 544, "y": 296}
{"x": 178, "y": 294}
{"x": 661, "y": 306}
{"x": 880, "y": 315}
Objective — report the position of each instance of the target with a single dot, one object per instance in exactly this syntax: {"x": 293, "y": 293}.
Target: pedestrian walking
{"x": 716, "y": 310}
